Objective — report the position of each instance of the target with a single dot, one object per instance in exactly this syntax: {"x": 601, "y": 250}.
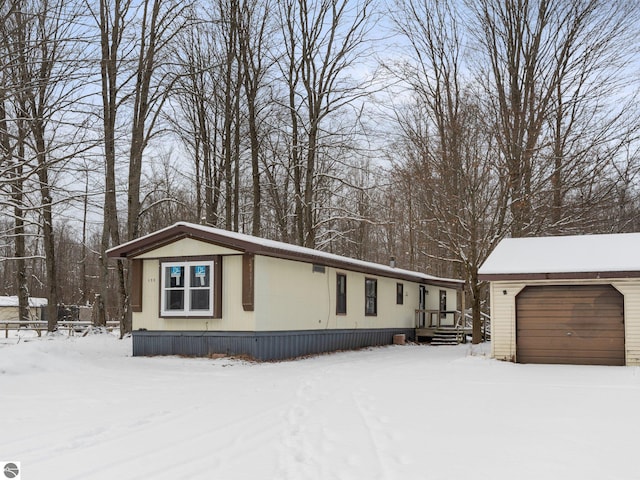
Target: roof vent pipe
{"x": 392, "y": 262}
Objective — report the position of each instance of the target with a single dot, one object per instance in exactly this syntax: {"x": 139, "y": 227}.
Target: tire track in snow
{"x": 296, "y": 460}
{"x": 375, "y": 432}
{"x": 326, "y": 421}
{"x": 200, "y": 454}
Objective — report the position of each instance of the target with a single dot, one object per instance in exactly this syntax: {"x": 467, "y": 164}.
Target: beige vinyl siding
{"x": 503, "y": 316}
{"x": 432, "y": 298}
{"x": 503, "y": 319}
{"x": 631, "y": 291}
{"x": 288, "y": 295}
{"x": 291, "y": 296}
{"x": 234, "y": 318}
{"x": 195, "y": 248}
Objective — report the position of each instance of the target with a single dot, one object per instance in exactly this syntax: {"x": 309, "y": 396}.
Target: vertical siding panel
{"x": 503, "y": 319}
{"x": 632, "y": 325}
{"x": 261, "y": 345}
{"x": 631, "y": 291}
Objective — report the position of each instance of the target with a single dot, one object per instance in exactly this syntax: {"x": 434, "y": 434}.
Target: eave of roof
{"x": 574, "y": 257}
{"x": 498, "y": 277}
{"x": 259, "y": 246}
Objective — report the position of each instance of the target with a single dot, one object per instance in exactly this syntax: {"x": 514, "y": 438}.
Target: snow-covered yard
{"x": 84, "y": 408}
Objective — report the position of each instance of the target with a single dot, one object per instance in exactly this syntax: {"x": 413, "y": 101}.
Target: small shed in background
{"x": 9, "y": 308}
{"x": 566, "y": 300}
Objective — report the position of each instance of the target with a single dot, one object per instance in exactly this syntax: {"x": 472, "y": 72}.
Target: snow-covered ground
{"x": 84, "y": 408}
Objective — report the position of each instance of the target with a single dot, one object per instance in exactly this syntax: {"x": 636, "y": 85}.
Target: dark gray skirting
{"x": 261, "y": 345}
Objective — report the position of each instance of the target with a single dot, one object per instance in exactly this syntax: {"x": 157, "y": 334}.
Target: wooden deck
{"x": 430, "y": 332}
{"x": 440, "y": 327}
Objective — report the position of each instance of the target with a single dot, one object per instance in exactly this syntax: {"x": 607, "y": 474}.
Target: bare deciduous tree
{"x": 12, "y": 145}
{"x": 544, "y": 75}
{"x": 112, "y": 20}
{"x": 254, "y": 31}
{"x": 41, "y": 41}
{"x": 140, "y": 34}
{"x": 448, "y": 149}
{"x": 321, "y": 44}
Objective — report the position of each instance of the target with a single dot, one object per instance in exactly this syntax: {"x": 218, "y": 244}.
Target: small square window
{"x": 318, "y": 268}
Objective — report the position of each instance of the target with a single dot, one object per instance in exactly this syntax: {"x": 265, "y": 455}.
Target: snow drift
{"x": 84, "y": 408}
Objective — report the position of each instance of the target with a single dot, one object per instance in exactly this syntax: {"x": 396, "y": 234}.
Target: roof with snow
{"x": 261, "y": 246}
{"x": 12, "y": 301}
{"x": 578, "y": 256}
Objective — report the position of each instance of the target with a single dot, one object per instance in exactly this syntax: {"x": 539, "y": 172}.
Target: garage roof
{"x": 261, "y": 246}
{"x": 565, "y": 257}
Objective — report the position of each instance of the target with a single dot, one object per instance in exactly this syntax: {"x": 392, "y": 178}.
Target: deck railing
{"x": 434, "y": 319}
{"x": 485, "y": 327}
{"x": 437, "y": 318}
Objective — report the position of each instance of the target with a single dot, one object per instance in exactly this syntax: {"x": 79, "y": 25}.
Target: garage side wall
{"x": 503, "y": 315}
{"x": 503, "y": 319}
{"x": 631, "y": 291}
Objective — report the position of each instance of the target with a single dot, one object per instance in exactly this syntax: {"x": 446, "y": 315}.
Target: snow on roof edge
{"x": 317, "y": 253}
{"x": 287, "y": 247}
{"x": 618, "y": 252}
{"x": 12, "y": 301}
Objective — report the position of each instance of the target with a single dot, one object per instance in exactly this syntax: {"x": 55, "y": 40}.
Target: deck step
{"x": 445, "y": 336}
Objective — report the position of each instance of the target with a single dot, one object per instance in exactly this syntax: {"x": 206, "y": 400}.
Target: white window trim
{"x": 187, "y": 312}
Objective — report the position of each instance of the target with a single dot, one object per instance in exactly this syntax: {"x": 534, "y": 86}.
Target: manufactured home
{"x": 567, "y": 300}
{"x": 198, "y": 290}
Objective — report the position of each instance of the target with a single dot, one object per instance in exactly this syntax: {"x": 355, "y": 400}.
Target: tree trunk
{"x": 98, "y": 313}
{"x": 111, "y": 24}
{"x": 48, "y": 238}
{"x": 17, "y": 185}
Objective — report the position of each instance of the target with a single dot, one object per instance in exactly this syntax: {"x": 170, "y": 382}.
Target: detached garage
{"x": 566, "y": 300}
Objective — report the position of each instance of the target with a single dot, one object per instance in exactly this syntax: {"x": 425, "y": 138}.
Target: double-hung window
{"x": 187, "y": 289}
